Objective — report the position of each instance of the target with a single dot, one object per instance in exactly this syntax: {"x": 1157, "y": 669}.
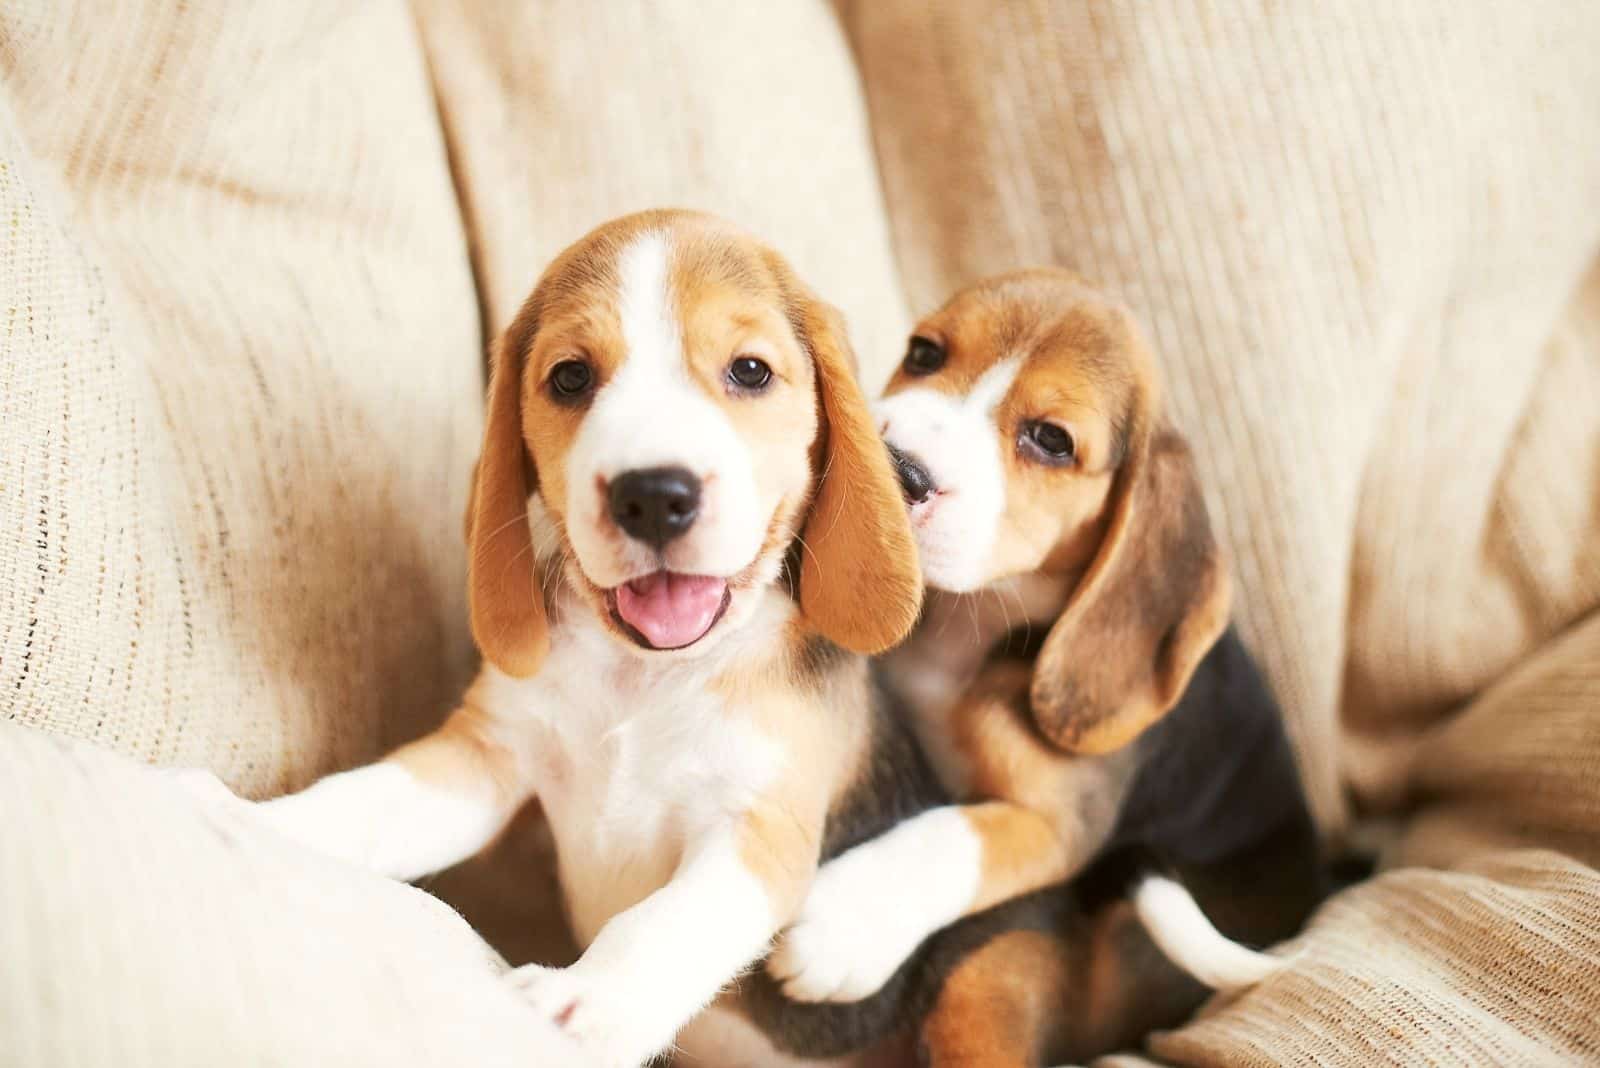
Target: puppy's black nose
{"x": 655, "y": 504}
{"x": 915, "y": 482}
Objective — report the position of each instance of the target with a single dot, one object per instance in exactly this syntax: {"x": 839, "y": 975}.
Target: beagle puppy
{"x": 684, "y": 534}
{"x": 1075, "y": 685}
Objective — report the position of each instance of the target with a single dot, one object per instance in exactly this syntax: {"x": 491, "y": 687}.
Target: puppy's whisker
{"x": 972, "y": 613}
{"x": 511, "y": 561}
{"x": 945, "y": 621}
{"x": 814, "y": 558}
{"x": 509, "y": 523}
{"x": 1027, "y": 621}
{"x": 844, "y": 501}
{"x": 553, "y": 574}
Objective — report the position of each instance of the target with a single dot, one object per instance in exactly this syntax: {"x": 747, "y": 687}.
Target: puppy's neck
{"x": 957, "y": 633}
{"x": 972, "y": 624}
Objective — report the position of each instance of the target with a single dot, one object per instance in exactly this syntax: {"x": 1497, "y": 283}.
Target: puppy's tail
{"x": 1176, "y": 924}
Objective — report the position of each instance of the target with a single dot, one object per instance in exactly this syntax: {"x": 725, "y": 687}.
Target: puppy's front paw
{"x": 852, "y": 934}
{"x": 591, "y": 1009}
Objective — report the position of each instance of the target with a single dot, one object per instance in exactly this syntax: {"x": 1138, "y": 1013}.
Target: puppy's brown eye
{"x": 1048, "y": 442}
{"x": 923, "y": 357}
{"x": 570, "y": 379}
{"x": 747, "y": 372}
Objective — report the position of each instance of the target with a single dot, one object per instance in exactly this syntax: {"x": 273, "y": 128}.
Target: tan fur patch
{"x": 471, "y": 752}
{"x": 1002, "y": 1006}
{"x": 823, "y": 722}
{"x": 860, "y": 579}
{"x": 1048, "y": 814}
{"x": 1022, "y": 852}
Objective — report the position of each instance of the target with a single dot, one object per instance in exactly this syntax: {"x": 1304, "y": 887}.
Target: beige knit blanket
{"x": 249, "y": 256}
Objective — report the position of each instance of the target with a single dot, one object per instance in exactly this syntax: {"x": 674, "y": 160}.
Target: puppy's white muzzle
{"x": 958, "y": 446}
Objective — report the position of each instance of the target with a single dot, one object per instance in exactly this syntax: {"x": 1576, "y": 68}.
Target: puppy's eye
{"x": 570, "y": 379}
{"x": 923, "y": 357}
{"x": 748, "y": 372}
{"x": 1048, "y": 442}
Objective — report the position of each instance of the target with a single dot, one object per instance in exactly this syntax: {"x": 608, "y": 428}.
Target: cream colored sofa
{"x": 250, "y": 254}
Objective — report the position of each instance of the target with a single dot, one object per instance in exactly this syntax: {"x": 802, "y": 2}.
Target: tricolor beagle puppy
{"x": 1074, "y": 681}
{"x": 685, "y": 531}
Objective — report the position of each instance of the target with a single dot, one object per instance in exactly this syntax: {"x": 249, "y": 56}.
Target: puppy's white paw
{"x": 852, "y": 933}
{"x": 591, "y": 1008}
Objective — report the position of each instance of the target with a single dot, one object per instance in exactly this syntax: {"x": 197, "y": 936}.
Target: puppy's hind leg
{"x": 1002, "y": 1006}
{"x": 1056, "y": 985}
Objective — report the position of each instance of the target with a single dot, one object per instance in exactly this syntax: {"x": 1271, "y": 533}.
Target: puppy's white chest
{"x": 631, "y": 766}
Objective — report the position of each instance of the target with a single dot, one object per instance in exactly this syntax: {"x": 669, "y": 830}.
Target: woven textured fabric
{"x": 1521, "y": 764}
{"x": 240, "y": 382}
{"x": 561, "y": 116}
{"x": 1494, "y": 964}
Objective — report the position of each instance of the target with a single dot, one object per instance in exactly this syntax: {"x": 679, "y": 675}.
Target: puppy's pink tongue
{"x": 671, "y": 610}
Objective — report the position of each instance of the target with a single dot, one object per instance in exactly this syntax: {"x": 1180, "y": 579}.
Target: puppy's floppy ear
{"x": 503, "y": 591}
{"x": 860, "y": 583}
{"x": 1152, "y": 603}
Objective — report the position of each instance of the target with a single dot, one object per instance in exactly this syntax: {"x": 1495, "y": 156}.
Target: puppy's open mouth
{"x": 666, "y": 610}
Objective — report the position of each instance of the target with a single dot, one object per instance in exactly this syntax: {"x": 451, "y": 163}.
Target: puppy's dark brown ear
{"x": 860, "y": 583}
{"x": 1152, "y": 603}
{"x": 503, "y": 591}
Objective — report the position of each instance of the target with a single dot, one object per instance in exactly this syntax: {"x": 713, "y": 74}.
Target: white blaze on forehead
{"x": 651, "y": 412}
{"x": 957, "y": 439}
{"x": 993, "y": 385}
{"x": 649, "y": 326}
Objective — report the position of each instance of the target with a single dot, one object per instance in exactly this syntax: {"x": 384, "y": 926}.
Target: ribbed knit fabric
{"x": 561, "y": 116}
{"x": 240, "y": 381}
{"x": 240, "y": 373}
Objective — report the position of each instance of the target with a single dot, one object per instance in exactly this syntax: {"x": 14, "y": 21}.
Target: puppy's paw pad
{"x": 820, "y": 961}
{"x": 554, "y": 993}
{"x": 588, "y": 1010}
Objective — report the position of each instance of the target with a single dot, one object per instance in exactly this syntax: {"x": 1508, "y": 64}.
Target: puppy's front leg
{"x": 424, "y": 807}
{"x": 871, "y": 907}
{"x": 657, "y": 964}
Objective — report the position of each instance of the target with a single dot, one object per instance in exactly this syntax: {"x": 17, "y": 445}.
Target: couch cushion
{"x": 142, "y": 927}
{"x": 561, "y": 116}
{"x": 240, "y": 375}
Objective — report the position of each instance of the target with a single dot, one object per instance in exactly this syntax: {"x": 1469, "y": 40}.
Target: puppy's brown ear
{"x": 1152, "y": 603}
{"x": 860, "y": 583}
{"x": 503, "y": 591}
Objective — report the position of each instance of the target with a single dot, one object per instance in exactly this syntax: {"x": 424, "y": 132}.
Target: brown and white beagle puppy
{"x": 1075, "y": 685}
{"x": 685, "y": 531}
